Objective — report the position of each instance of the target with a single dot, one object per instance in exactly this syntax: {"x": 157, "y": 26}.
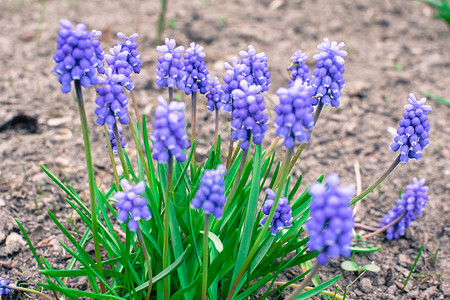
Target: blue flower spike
{"x": 169, "y": 136}
{"x": 294, "y": 114}
{"x": 248, "y": 117}
{"x": 282, "y": 217}
{"x": 131, "y": 206}
{"x": 412, "y": 136}
{"x": 210, "y": 195}
{"x": 328, "y": 82}
{"x": 170, "y": 69}
{"x": 77, "y": 56}
{"x": 299, "y": 69}
{"x": 111, "y": 101}
{"x": 331, "y": 223}
{"x": 4, "y": 290}
{"x": 197, "y": 76}
{"x": 411, "y": 204}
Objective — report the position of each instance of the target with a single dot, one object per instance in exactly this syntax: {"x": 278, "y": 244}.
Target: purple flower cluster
{"x": 76, "y": 56}
{"x": 170, "y": 68}
{"x": 257, "y": 65}
{"x": 328, "y": 81}
{"x": 215, "y": 96}
{"x": 169, "y": 136}
{"x": 252, "y": 68}
{"x": 411, "y": 204}
{"x": 112, "y": 138}
{"x": 331, "y": 222}
{"x": 111, "y": 100}
{"x": 210, "y": 195}
{"x": 299, "y": 69}
{"x": 294, "y": 114}
{"x": 129, "y": 202}
{"x": 412, "y": 135}
{"x": 4, "y": 290}
{"x": 282, "y": 217}
{"x": 131, "y": 46}
{"x": 99, "y": 52}
{"x": 197, "y": 76}
{"x": 248, "y": 115}
{"x": 124, "y": 59}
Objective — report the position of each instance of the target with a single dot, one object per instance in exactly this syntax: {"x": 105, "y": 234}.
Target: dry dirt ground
{"x": 395, "y": 48}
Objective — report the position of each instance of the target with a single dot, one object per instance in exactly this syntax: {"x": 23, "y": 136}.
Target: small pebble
{"x": 366, "y": 285}
{"x": 14, "y": 242}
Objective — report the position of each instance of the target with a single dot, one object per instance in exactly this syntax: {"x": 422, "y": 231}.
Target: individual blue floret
{"x": 169, "y": 135}
{"x": 282, "y": 217}
{"x": 294, "y": 114}
{"x": 111, "y": 100}
{"x": 215, "y": 96}
{"x": 331, "y": 222}
{"x": 328, "y": 81}
{"x": 413, "y": 134}
{"x": 411, "y": 203}
{"x": 76, "y": 56}
{"x": 210, "y": 195}
{"x": 170, "y": 68}
{"x": 131, "y": 206}
{"x": 299, "y": 69}
{"x": 248, "y": 117}
{"x": 197, "y": 76}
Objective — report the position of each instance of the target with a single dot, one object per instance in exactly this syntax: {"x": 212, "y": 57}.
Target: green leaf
{"x": 371, "y": 268}
{"x": 163, "y": 273}
{"x": 350, "y": 266}
{"x": 215, "y": 239}
{"x": 250, "y": 216}
{"x": 367, "y": 249}
{"x": 318, "y": 289}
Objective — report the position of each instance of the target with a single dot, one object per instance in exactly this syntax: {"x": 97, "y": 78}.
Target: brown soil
{"x": 395, "y": 47}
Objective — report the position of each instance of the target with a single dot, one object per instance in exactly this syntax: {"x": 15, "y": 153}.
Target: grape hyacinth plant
{"x": 149, "y": 243}
{"x": 408, "y": 208}
{"x": 4, "y": 290}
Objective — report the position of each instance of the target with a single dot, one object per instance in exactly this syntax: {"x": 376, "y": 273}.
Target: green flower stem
{"x": 193, "y": 121}
{"x": 230, "y": 151}
{"x": 141, "y": 154}
{"x": 380, "y": 180}
{"x": 170, "y": 94}
{"x": 365, "y": 227}
{"x": 317, "y": 112}
{"x": 262, "y": 233}
{"x": 166, "y": 224}
{"x": 216, "y": 127}
{"x": 308, "y": 288}
{"x": 25, "y": 290}
{"x": 136, "y": 110}
{"x": 111, "y": 156}
{"x": 205, "y": 256}
{"x": 304, "y": 283}
{"x": 271, "y": 147}
{"x": 382, "y": 229}
{"x": 147, "y": 259}
{"x": 161, "y": 21}
{"x": 90, "y": 169}
{"x": 238, "y": 177}
{"x": 119, "y": 148}
{"x": 235, "y": 153}
{"x": 302, "y": 146}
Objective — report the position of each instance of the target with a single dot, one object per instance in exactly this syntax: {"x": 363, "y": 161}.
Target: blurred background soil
{"x": 394, "y": 48}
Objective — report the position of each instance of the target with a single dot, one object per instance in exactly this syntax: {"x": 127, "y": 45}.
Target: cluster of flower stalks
{"x": 171, "y": 227}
